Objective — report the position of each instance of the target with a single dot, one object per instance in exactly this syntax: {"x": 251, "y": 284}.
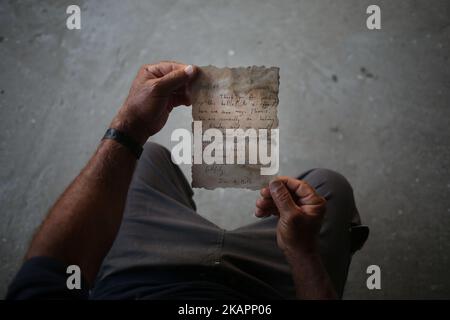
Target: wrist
{"x": 294, "y": 259}
{"x": 301, "y": 251}
{"x": 131, "y": 126}
{"x": 125, "y": 140}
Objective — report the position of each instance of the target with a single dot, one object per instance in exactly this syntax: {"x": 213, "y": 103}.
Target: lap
{"x": 162, "y": 228}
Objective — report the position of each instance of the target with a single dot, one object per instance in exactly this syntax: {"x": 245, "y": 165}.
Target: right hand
{"x": 300, "y": 210}
{"x": 156, "y": 90}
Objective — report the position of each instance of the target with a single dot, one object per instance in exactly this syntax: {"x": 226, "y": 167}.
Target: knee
{"x": 153, "y": 150}
{"x": 330, "y": 181}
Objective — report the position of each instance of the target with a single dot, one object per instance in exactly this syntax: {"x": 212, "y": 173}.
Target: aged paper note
{"x": 234, "y": 98}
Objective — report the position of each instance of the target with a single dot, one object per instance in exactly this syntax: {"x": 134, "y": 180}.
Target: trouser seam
{"x": 217, "y": 257}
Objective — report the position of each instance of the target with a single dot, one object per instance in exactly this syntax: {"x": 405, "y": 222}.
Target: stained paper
{"x": 234, "y": 98}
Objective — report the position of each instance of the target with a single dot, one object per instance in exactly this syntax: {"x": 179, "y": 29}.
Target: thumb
{"x": 282, "y": 197}
{"x": 174, "y": 79}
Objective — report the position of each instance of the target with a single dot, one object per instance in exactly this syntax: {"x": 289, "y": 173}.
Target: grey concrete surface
{"x": 373, "y": 105}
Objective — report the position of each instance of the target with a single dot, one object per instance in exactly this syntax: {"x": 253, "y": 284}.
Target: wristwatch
{"x": 124, "y": 140}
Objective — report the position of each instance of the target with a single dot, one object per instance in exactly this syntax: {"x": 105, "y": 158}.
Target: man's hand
{"x": 155, "y": 91}
{"x": 300, "y": 210}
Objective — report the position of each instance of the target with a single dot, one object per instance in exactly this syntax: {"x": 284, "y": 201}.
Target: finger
{"x": 187, "y": 93}
{"x": 267, "y": 213}
{"x": 261, "y": 213}
{"x": 162, "y": 68}
{"x": 171, "y": 65}
{"x": 282, "y": 198}
{"x": 174, "y": 80}
{"x": 182, "y": 96}
{"x": 178, "y": 98}
{"x": 301, "y": 189}
{"x": 266, "y": 204}
{"x": 314, "y": 210}
{"x": 265, "y": 193}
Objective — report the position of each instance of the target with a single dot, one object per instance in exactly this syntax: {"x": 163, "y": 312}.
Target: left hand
{"x": 300, "y": 210}
{"x": 155, "y": 91}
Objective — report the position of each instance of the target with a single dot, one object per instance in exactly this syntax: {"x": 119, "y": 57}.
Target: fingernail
{"x": 189, "y": 70}
{"x": 275, "y": 185}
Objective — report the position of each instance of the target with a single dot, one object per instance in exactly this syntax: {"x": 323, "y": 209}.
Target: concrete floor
{"x": 373, "y": 105}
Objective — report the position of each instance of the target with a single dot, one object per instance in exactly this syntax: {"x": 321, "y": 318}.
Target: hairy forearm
{"x": 310, "y": 277}
{"x": 81, "y": 226}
